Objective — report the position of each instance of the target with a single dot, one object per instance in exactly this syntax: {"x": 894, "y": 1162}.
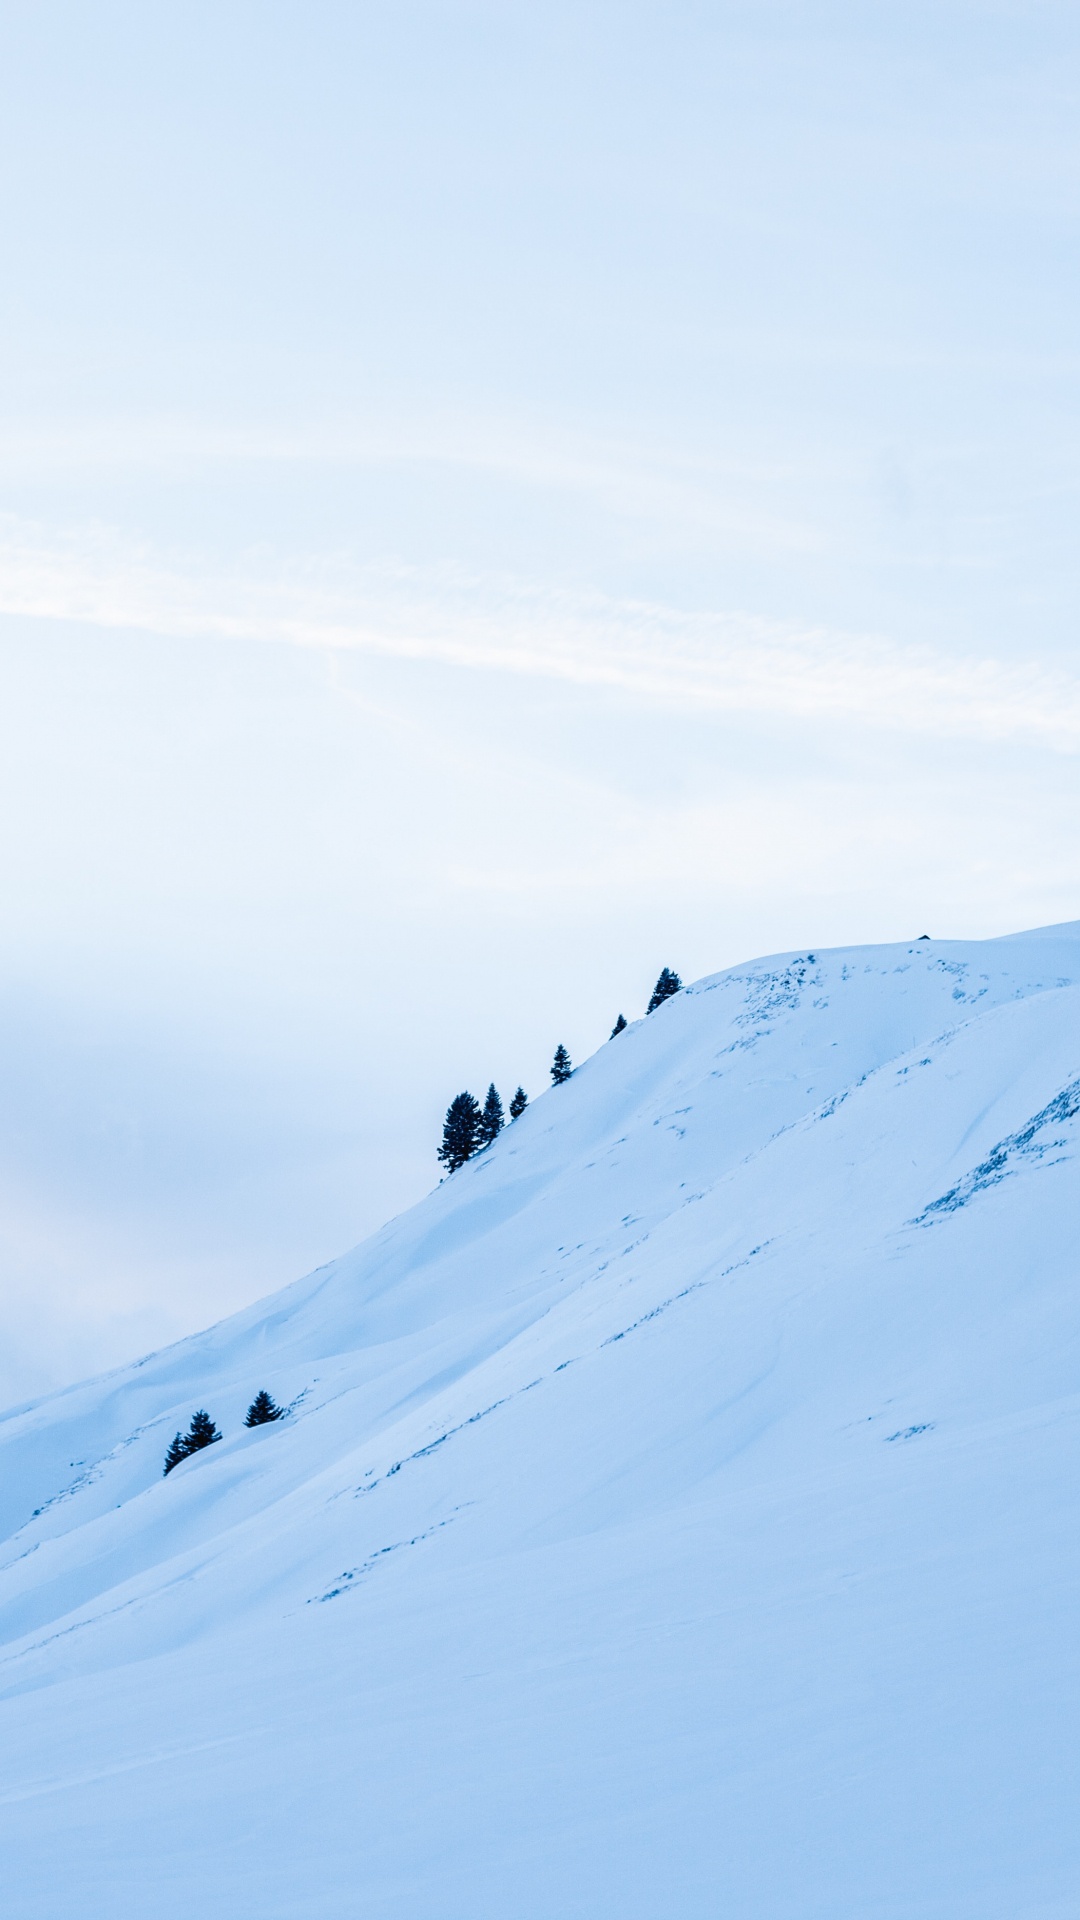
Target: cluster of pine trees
{"x": 470, "y": 1127}
{"x": 202, "y": 1431}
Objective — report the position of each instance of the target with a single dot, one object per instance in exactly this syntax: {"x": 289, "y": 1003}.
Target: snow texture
{"x": 674, "y": 1515}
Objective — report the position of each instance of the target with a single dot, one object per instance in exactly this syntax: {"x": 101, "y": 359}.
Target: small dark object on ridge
{"x": 560, "y": 1066}
{"x": 201, "y": 1433}
{"x": 922, "y": 936}
{"x": 619, "y": 1026}
{"x": 491, "y": 1120}
{"x": 667, "y": 984}
{"x": 262, "y": 1410}
{"x": 518, "y": 1104}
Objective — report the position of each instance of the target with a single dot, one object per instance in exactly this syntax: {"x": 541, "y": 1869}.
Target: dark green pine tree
{"x": 667, "y": 984}
{"x": 201, "y": 1433}
{"x": 560, "y": 1066}
{"x": 262, "y": 1410}
{"x": 461, "y": 1132}
{"x": 618, "y": 1027}
{"x": 491, "y": 1120}
{"x": 518, "y": 1104}
{"x": 178, "y": 1450}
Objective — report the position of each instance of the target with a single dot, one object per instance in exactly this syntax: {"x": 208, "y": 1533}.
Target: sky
{"x": 494, "y": 501}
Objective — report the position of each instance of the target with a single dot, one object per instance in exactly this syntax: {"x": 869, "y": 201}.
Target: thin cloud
{"x": 729, "y": 663}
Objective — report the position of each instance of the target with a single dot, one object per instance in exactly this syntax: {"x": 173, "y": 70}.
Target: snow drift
{"x": 675, "y": 1514}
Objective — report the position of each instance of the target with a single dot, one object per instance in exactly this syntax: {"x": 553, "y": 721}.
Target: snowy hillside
{"x": 676, "y": 1514}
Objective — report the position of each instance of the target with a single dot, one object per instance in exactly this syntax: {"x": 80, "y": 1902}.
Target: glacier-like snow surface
{"x": 675, "y": 1516}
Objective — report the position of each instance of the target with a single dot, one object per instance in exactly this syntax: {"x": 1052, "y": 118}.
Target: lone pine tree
{"x": 518, "y": 1104}
{"x": 667, "y": 984}
{"x": 262, "y": 1410}
{"x": 461, "y": 1132}
{"x": 560, "y": 1066}
{"x": 201, "y": 1433}
{"x": 491, "y": 1120}
{"x": 618, "y": 1027}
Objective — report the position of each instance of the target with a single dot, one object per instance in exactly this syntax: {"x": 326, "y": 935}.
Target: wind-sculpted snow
{"x": 665, "y": 1522}
{"x": 1028, "y": 1142}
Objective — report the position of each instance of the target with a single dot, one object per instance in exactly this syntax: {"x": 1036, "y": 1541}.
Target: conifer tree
{"x": 201, "y": 1433}
{"x": 178, "y": 1450}
{"x": 667, "y": 984}
{"x": 560, "y": 1066}
{"x": 461, "y": 1132}
{"x": 618, "y": 1027}
{"x": 491, "y": 1120}
{"x": 262, "y": 1410}
{"x": 518, "y": 1104}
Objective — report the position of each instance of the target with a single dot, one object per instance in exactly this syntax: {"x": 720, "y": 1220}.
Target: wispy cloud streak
{"x": 731, "y": 662}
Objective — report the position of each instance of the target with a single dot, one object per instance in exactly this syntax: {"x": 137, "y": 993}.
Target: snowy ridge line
{"x": 12, "y": 1651}
{"x": 995, "y": 1168}
{"x": 92, "y": 1471}
{"x": 347, "y": 1579}
{"x": 168, "y": 1756}
{"x": 34, "y": 1547}
{"x": 770, "y": 994}
{"x": 432, "y": 1446}
{"x": 654, "y": 1312}
{"x": 296, "y": 1401}
{"x": 946, "y": 1038}
{"x": 695, "y": 1286}
{"x": 776, "y": 987}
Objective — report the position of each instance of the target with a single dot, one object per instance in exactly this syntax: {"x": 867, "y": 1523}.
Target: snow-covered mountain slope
{"x": 676, "y": 1514}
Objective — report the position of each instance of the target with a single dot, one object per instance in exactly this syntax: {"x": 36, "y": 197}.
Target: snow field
{"x": 676, "y": 1514}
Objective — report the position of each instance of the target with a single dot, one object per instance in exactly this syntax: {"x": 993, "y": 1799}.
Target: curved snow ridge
{"x": 1024, "y": 1144}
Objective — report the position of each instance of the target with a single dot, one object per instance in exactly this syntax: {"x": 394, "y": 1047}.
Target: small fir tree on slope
{"x": 262, "y": 1410}
{"x": 667, "y": 984}
{"x": 518, "y": 1104}
{"x": 491, "y": 1120}
{"x": 560, "y": 1066}
{"x": 201, "y": 1433}
{"x": 461, "y": 1132}
{"x": 619, "y": 1027}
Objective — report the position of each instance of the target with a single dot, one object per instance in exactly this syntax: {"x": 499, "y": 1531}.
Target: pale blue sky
{"x": 493, "y": 500}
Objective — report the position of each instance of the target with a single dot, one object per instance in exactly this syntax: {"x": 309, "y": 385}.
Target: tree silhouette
{"x": 560, "y": 1066}
{"x": 461, "y": 1132}
{"x": 201, "y": 1433}
{"x": 262, "y": 1410}
{"x": 667, "y": 984}
{"x": 491, "y": 1120}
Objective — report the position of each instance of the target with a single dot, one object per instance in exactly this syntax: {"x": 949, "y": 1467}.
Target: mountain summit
{"x": 672, "y": 1516}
